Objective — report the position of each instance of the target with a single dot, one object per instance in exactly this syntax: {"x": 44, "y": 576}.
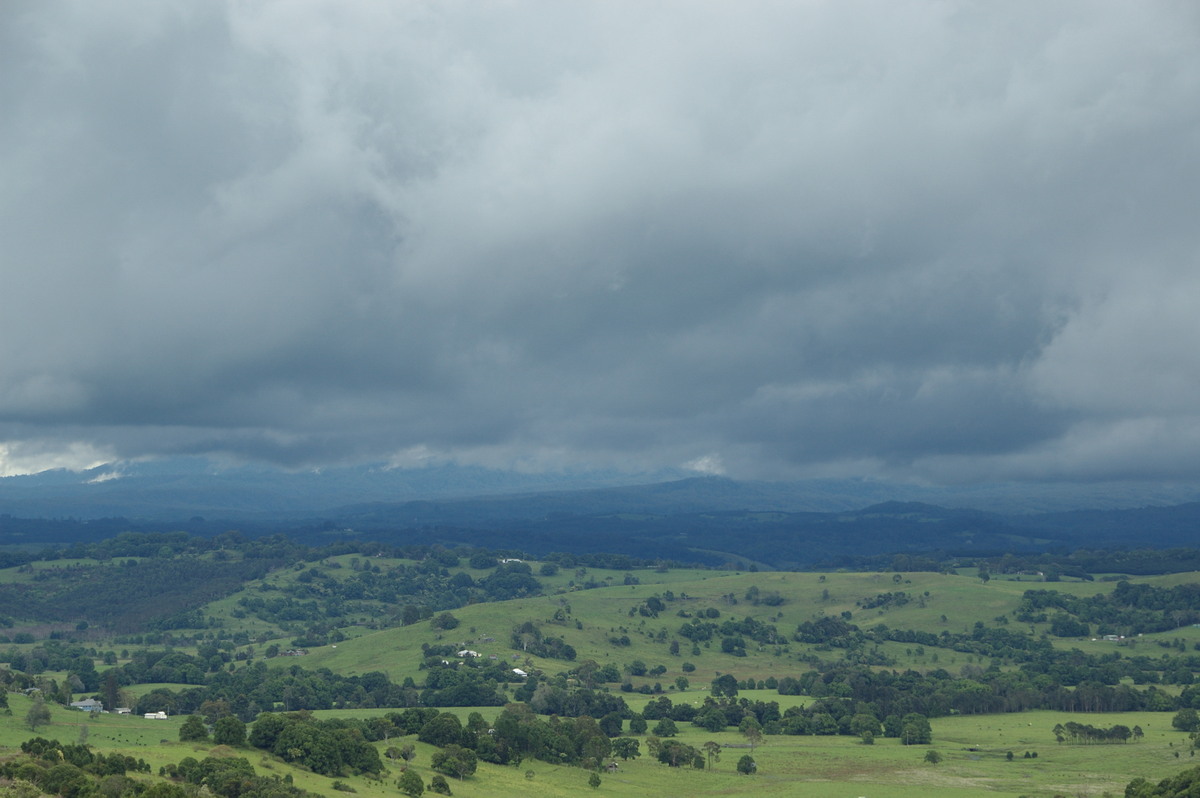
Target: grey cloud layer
{"x": 942, "y": 241}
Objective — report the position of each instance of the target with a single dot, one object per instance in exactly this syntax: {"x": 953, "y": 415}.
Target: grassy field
{"x": 937, "y": 603}
{"x": 973, "y": 748}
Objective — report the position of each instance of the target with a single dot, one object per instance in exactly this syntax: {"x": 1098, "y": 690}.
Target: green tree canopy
{"x": 410, "y": 784}
{"x": 193, "y": 730}
{"x": 229, "y": 731}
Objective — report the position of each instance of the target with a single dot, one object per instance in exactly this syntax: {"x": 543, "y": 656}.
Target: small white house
{"x": 155, "y": 716}
{"x": 466, "y": 652}
{"x": 520, "y": 672}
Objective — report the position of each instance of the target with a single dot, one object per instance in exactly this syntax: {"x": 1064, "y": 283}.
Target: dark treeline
{"x": 939, "y": 693}
{"x": 519, "y": 734}
{"x": 1180, "y": 785}
{"x": 1073, "y": 732}
{"x": 256, "y": 688}
{"x": 157, "y": 581}
{"x": 155, "y": 594}
{"x": 164, "y": 545}
{"x": 76, "y": 771}
{"x": 248, "y": 691}
{"x": 1035, "y": 655}
{"x": 1127, "y": 610}
{"x": 1050, "y": 566}
{"x": 409, "y": 592}
{"x": 330, "y": 747}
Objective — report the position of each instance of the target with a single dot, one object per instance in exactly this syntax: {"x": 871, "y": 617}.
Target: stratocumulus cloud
{"x": 934, "y": 240}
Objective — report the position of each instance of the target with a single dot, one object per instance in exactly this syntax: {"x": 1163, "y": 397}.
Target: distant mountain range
{"x": 184, "y": 487}
{"x": 661, "y": 515}
{"x": 178, "y": 488}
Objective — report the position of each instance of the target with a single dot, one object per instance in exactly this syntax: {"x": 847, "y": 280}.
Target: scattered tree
{"x": 193, "y": 730}
{"x": 915, "y": 730}
{"x": 1186, "y": 720}
{"x": 454, "y": 760}
{"x": 38, "y": 714}
{"x": 408, "y": 753}
{"x": 626, "y": 748}
{"x": 665, "y": 728}
{"x": 444, "y": 622}
{"x": 751, "y": 729}
{"x": 724, "y": 685}
{"x": 410, "y": 784}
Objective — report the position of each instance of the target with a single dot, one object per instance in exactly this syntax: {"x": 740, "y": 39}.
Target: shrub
{"x": 444, "y": 621}
{"x": 410, "y": 784}
{"x": 193, "y": 730}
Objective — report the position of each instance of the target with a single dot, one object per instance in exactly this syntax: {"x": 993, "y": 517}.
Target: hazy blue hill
{"x": 1176, "y": 525}
{"x": 185, "y": 487}
{"x": 661, "y": 521}
{"x": 709, "y": 519}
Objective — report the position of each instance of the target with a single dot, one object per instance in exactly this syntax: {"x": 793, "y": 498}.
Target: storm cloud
{"x": 919, "y": 240}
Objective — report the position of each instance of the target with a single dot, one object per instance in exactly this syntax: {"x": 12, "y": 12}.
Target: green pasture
{"x": 810, "y": 766}
{"x": 973, "y": 750}
{"x": 104, "y": 731}
{"x": 936, "y": 603}
{"x": 592, "y": 617}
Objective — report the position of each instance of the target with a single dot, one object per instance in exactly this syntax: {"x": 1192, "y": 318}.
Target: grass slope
{"x": 973, "y": 750}
{"x": 938, "y": 602}
{"x": 816, "y": 766}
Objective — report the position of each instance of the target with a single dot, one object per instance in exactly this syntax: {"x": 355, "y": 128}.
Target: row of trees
{"x": 1128, "y": 609}
{"x": 1073, "y": 732}
{"x": 518, "y": 734}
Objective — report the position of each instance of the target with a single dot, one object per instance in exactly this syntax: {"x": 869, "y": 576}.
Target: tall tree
{"x": 193, "y": 730}
{"x": 626, "y": 748}
{"x": 410, "y": 784}
{"x": 38, "y": 714}
{"x": 751, "y": 729}
{"x": 112, "y": 692}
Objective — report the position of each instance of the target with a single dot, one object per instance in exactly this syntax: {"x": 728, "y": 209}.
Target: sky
{"x": 942, "y": 242}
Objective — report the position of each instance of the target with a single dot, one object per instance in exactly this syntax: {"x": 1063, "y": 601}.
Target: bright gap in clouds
{"x": 22, "y": 458}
